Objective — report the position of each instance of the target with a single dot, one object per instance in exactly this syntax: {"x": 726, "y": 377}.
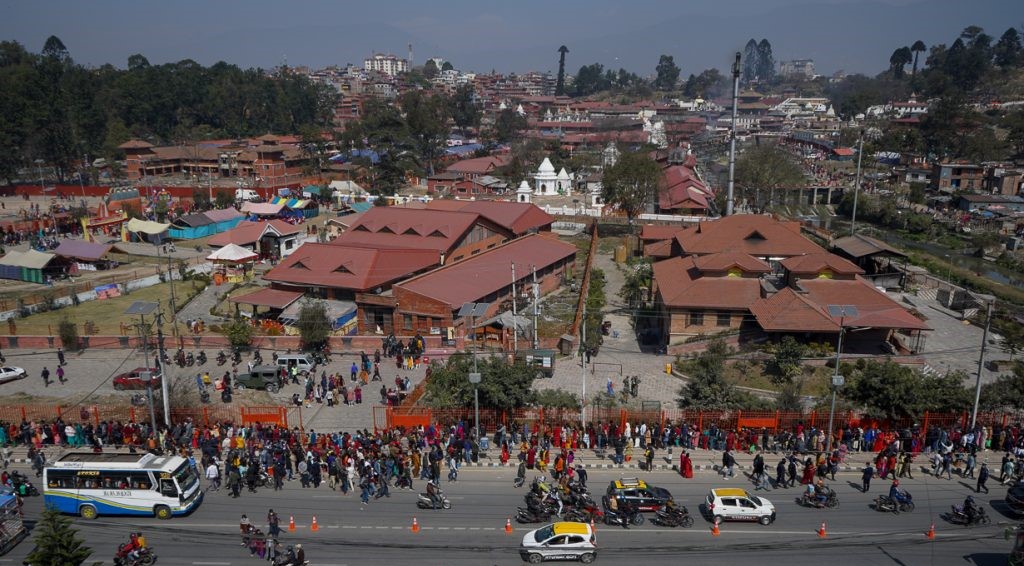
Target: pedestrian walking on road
{"x": 273, "y": 524}
{"x": 213, "y": 475}
{"x": 728, "y": 465}
{"x": 60, "y": 375}
{"x": 46, "y": 376}
{"x": 869, "y": 472}
{"x": 60, "y": 357}
{"x": 969, "y": 467}
{"x": 780, "y": 474}
{"x": 982, "y": 478}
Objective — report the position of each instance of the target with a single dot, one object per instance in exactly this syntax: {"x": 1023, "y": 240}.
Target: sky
{"x": 856, "y": 36}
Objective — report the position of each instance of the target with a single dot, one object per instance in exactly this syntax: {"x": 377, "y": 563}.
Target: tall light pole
{"x": 142, "y": 308}
{"x": 856, "y": 186}
{"x": 473, "y": 310}
{"x": 842, "y": 311}
{"x": 981, "y": 361}
{"x": 730, "y": 197}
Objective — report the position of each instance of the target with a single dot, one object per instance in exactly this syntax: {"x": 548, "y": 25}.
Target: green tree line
{"x": 60, "y": 111}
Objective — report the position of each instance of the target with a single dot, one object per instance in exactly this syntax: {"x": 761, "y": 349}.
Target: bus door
{"x": 168, "y": 488}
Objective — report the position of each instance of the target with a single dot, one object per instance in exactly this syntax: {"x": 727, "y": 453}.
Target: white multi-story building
{"x": 387, "y": 64}
{"x": 797, "y": 67}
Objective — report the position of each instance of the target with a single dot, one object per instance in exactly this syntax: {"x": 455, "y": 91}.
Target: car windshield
{"x": 544, "y": 534}
{"x": 755, "y": 500}
{"x": 185, "y": 476}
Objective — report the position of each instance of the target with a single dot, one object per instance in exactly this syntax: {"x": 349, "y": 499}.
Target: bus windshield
{"x": 185, "y": 477}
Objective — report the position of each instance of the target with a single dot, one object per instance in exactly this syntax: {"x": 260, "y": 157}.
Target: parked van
{"x": 261, "y": 377}
{"x": 301, "y": 362}
{"x": 246, "y": 195}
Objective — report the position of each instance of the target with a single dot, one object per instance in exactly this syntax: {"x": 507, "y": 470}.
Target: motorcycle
{"x": 677, "y": 517}
{"x": 959, "y": 517}
{"x": 190, "y": 360}
{"x": 236, "y": 357}
{"x": 179, "y": 358}
{"x": 831, "y": 500}
{"x": 204, "y": 396}
{"x": 145, "y": 557}
{"x": 201, "y": 358}
{"x": 886, "y": 504}
{"x": 424, "y": 502}
{"x": 625, "y": 517}
{"x": 22, "y": 485}
{"x": 221, "y": 358}
{"x": 527, "y": 515}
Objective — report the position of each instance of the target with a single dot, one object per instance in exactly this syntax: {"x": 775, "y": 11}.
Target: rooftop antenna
{"x": 410, "y": 55}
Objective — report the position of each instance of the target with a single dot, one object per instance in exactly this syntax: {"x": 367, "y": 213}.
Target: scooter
{"x": 625, "y": 517}
{"x": 677, "y": 517}
{"x": 145, "y": 557}
{"x": 190, "y": 360}
{"x": 424, "y": 502}
{"x": 958, "y": 517}
{"x": 527, "y": 515}
{"x": 807, "y": 500}
{"x": 22, "y": 485}
{"x": 221, "y": 358}
{"x": 201, "y": 358}
{"x": 886, "y": 504}
{"x": 204, "y": 396}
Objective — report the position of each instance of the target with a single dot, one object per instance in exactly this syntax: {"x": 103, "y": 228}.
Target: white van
{"x": 246, "y": 195}
{"x": 301, "y": 363}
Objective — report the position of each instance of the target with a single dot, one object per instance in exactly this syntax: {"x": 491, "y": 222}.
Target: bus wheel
{"x": 87, "y": 512}
{"x": 162, "y": 512}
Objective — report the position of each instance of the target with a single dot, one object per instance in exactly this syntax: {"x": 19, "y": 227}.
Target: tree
{"x": 560, "y": 83}
{"x": 313, "y": 324}
{"x": 201, "y": 198}
{"x": 917, "y": 48}
{"x": 426, "y": 118}
{"x": 508, "y": 125}
{"x": 591, "y": 79}
{"x": 57, "y": 542}
{"x": 891, "y": 391}
{"x": 223, "y": 198}
{"x": 1007, "y": 51}
{"x": 708, "y": 84}
{"x": 668, "y": 73}
{"x": 631, "y": 184}
{"x": 463, "y": 109}
{"x": 787, "y": 359}
{"x": 1012, "y": 333}
{"x": 1005, "y": 393}
{"x": 750, "y": 61}
{"x": 447, "y": 66}
{"x": 766, "y": 168}
{"x": 137, "y": 62}
{"x": 430, "y": 69}
{"x": 555, "y": 399}
{"x": 706, "y": 388}
{"x": 898, "y": 60}
{"x": 502, "y": 385}
{"x": 765, "y": 61}
{"x": 238, "y": 332}
{"x": 68, "y": 332}
{"x": 54, "y": 48}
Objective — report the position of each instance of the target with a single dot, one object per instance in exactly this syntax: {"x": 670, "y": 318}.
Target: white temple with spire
{"x": 545, "y": 179}
{"x": 524, "y": 193}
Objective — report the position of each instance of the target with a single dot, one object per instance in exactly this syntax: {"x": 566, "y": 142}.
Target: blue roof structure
{"x": 345, "y": 157}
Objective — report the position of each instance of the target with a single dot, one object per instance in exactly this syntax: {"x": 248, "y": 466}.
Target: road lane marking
{"x": 211, "y": 563}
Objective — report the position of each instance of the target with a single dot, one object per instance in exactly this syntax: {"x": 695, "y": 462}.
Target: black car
{"x": 1015, "y": 499}
{"x": 638, "y": 492}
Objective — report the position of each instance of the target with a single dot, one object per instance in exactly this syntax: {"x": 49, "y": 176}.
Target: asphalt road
{"x": 472, "y": 532}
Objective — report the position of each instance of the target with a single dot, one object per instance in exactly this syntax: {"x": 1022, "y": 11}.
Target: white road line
{"x": 211, "y": 563}
{"x": 444, "y": 528}
{"x": 350, "y": 526}
{"x": 458, "y": 528}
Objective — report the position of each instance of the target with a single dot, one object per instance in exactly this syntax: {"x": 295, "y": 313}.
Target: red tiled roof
{"x": 345, "y": 267}
{"x": 818, "y": 262}
{"x": 519, "y": 217}
{"x": 789, "y": 311}
{"x": 874, "y": 308}
{"x": 480, "y": 165}
{"x": 680, "y": 186}
{"x": 135, "y": 144}
{"x": 396, "y": 227}
{"x": 660, "y": 249}
{"x": 680, "y": 284}
{"x": 471, "y": 279}
{"x": 273, "y": 298}
{"x": 656, "y": 232}
{"x": 844, "y": 151}
{"x": 727, "y": 260}
{"x": 249, "y": 232}
{"x": 757, "y": 235}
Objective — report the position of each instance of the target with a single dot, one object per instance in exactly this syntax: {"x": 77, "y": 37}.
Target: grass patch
{"x": 108, "y": 315}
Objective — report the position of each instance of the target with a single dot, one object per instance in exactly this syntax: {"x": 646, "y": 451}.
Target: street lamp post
{"x": 142, "y": 308}
{"x": 842, "y": 311}
{"x": 981, "y": 362}
{"x": 856, "y": 186}
{"x": 473, "y": 310}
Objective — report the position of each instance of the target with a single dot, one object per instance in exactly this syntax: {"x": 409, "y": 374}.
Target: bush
{"x": 239, "y": 333}
{"x": 556, "y": 399}
{"x": 68, "y": 332}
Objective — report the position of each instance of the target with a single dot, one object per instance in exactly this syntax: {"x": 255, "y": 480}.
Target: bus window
{"x": 167, "y": 488}
{"x": 60, "y": 479}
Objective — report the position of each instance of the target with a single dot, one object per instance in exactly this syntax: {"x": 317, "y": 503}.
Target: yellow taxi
{"x": 560, "y": 541}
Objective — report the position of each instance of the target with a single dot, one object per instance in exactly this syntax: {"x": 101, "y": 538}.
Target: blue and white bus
{"x": 89, "y": 484}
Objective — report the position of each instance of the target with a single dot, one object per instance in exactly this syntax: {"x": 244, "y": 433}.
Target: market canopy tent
{"x": 85, "y": 251}
{"x": 232, "y": 253}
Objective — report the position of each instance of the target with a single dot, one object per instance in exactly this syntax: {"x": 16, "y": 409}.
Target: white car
{"x": 10, "y": 373}
{"x": 560, "y": 541}
{"x": 733, "y": 504}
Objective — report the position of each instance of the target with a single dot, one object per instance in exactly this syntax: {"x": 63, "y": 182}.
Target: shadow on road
{"x": 986, "y": 559}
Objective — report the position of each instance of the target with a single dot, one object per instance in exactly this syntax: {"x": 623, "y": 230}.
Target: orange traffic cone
{"x": 314, "y": 527}
{"x": 291, "y": 523}
{"x": 508, "y": 526}
{"x": 415, "y": 525}
{"x": 821, "y": 531}
{"x": 714, "y": 528}
{"x": 931, "y": 532}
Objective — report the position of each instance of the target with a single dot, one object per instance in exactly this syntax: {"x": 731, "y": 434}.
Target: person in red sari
{"x": 685, "y": 466}
{"x": 504, "y": 453}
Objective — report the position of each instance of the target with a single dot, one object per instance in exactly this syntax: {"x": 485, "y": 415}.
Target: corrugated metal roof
{"x": 859, "y": 246}
{"x": 273, "y": 298}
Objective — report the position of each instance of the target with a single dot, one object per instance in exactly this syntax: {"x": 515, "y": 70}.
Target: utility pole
{"x": 164, "y": 376}
{"x": 583, "y": 365}
{"x": 149, "y": 383}
{"x": 981, "y": 363}
{"x": 536, "y": 309}
{"x": 730, "y": 197}
{"x": 856, "y": 186}
{"x": 515, "y": 320}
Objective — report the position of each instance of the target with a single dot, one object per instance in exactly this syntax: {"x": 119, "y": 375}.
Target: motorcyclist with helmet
{"x": 820, "y": 493}
{"x": 129, "y": 552}
{"x": 897, "y": 494}
{"x": 970, "y": 509}
{"x": 434, "y": 493}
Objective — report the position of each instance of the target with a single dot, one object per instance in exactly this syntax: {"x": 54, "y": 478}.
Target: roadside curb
{"x": 636, "y": 466}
